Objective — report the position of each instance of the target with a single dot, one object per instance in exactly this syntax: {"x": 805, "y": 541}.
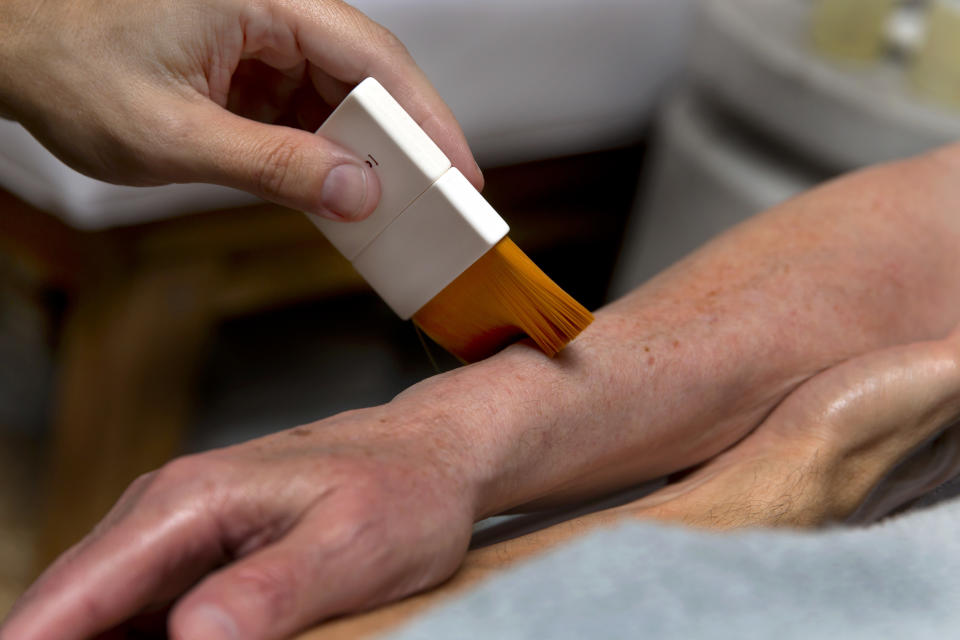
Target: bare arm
{"x": 693, "y": 360}
{"x": 815, "y": 459}
{"x": 370, "y": 506}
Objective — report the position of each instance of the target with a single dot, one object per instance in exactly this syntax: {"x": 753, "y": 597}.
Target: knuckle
{"x": 357, "y": 503}
{"x": 192, "y": 487}
{"x": 178, "y": 469}
{"x": 368, "y": 31}
{"x": 171, "y": 128}
{"x": 272, "y": 586}
{"x": 190, "y": 474}
{"x": 358, "y": 520}
{"x": 387, "y": 41}
{"x": 140, "y": 483}
{"x": 275, "y": 167}
{"x": 127, "y": 500}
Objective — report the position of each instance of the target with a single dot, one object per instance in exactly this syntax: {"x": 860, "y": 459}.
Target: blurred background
{"x": 615, "y": 135}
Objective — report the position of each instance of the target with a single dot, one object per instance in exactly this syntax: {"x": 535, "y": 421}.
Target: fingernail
{"x": 344, "y": 192}
{"x": 210, "y": 623}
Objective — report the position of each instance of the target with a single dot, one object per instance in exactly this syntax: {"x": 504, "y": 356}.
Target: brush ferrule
{"x": 430, "y": 225}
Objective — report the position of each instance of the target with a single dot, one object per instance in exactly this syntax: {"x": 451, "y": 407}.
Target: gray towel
{"x": 896, "y": 579}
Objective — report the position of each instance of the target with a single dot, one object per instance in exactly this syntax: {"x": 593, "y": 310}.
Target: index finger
{"x": 146, "y": 558}
{"x": 349, "y": 47}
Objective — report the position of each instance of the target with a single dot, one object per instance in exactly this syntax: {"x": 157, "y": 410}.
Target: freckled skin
{"x": 734, "y": 328}
{"x": 812, "y": 461}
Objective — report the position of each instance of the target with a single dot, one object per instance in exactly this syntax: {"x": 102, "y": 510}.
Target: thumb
{"x": 291, "y": 167}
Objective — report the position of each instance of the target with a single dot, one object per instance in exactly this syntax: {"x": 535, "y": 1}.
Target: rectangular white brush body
{"x": 430, "y": 225}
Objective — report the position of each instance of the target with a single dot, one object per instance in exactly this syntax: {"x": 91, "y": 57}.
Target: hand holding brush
{"x": 434, "y": 249}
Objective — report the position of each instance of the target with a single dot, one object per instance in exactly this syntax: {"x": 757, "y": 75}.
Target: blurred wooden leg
{"x": 131, "y": 346}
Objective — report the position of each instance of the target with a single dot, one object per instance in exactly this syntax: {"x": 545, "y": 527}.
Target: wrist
{"x": 534, "y": 432}
{"x": 526, "y": 427}
{"x": 486, "y": 416}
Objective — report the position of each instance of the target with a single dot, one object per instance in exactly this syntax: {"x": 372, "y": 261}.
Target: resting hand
{"x": 197, "y": 91}
{"x": 333, "y": 517}
{"x": 812, "y": 461}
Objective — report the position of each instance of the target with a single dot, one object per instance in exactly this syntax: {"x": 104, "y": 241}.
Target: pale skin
{"x": 155, "y": 92}
{"x": 266, "y": 538}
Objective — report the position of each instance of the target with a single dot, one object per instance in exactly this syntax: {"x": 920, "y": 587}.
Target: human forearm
{"x": 813, "y": 460}
{"x": 690, "y": 362}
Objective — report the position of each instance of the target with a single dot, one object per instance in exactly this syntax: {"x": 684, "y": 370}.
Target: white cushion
{"x": 527, "y": 80}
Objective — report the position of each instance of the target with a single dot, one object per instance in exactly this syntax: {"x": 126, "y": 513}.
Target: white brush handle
{"x": 430, "y": 226}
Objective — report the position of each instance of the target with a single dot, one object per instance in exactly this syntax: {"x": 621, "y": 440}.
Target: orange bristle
{"x": 500, "y": 299}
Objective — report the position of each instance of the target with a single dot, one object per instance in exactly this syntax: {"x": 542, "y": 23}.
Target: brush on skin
{"x": 434, "y": 248}
{"x": 502, "y": 298}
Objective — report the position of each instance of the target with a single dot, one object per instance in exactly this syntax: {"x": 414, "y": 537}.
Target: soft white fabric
{"x": 527, "y": 80}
